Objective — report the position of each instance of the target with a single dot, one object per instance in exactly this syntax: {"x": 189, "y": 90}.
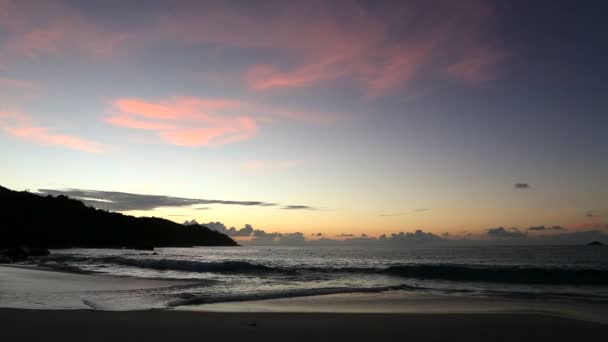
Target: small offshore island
{"x": 44, "y": 222}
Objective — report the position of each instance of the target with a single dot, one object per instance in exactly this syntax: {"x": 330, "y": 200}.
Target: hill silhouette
{"x": 61, "y": 222}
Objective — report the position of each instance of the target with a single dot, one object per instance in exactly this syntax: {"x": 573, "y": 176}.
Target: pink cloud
{"x": 309, "y": 43}
{"x": 22, "y": 126}
{"x": 67, "y": 34}
{"x": 131, "y": 122}
{"x": 150, "y": 110}
{"x": 366, "y": 51}
{"x": 55, "y": 29}
{"x": 402, "y": 66}
{"x": 194, "y": 122}
{"x": 263, "y": 77}
{"x": 477, "y": 66}
{"x": 179, "y": 108}
{"x": 187, "y": 121}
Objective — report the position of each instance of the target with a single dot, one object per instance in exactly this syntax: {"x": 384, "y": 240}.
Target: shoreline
{"x": 408, "y": 304}
{"x": 32, "y": 287}
{"x": 166, "y": 325}
{"x": 82, "y": 307}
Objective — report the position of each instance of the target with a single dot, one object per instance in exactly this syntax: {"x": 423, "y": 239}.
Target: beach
{"x": 351, "y": 317}
{"x": 80, "y": 325}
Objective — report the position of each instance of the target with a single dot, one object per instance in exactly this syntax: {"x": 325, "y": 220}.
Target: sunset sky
{"x": 343, "y": 117}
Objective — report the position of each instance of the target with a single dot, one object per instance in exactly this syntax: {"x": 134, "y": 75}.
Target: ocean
{"x": 232, "y": 274}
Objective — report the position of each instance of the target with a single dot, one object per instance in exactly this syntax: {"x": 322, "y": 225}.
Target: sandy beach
{"x": 79, "y": 325}
{"x": 39, "y": 288}
{"x": 31, "y": 296}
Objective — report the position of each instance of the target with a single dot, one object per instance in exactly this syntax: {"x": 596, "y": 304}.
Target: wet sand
{"x": 347, "y": 317}
{"x": 162, "y": 325}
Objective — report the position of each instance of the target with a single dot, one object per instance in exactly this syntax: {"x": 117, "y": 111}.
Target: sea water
{"x": 229, "y": 274}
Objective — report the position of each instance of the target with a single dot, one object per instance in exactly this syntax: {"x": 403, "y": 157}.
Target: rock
{"x": 595, "y": 243}
{"x": 16, "y": 253}
{"x": 4, "y": 259}
{"x": 38, "y": 251}
{"x": 22, "y": 253}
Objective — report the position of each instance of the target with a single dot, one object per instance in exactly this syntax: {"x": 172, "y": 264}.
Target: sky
{"x": 332, "y": 118}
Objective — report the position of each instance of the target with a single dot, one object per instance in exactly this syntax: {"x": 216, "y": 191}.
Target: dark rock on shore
{"x": 22, "y": 253}
{"x": 595, "y": 243}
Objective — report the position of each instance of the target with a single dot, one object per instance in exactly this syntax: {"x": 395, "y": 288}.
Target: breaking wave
{"x": 193, "y": 299}
{"x": 502, "y": 274}
{"x": 171, "y": 264}
{"x": 447, "y": 272}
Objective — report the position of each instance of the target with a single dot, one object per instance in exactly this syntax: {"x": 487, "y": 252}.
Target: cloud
{"x": 521, "y": 186}
{"x": 418, "y": 236}
{"x": 24, "y": 127}
{"x": 298, "y": 207}
{"x": 195, "y": 122}
{"x": 478, "y": 66}
{"x": 248, "y": 235}
{"x": 186, "y": 121}
{"x": 377, "y": 49}
{"x": 501, "y": 232}
{"x": 591, "y": 213}
{"x": 540, "y": 228}
{"x": 399, "y": 239}
{"x": 256, "y": 236}
{"x": 556, "y": 235}
{"x": 380, "y": 49}
{"x": 248, "y": 230}
{"x": 123, "y": 201}
{"x": 54, "y": 29}
{"x": 264, "y": 77}
{"x": 403, "y": 213}
{"x": 345, "y": 235}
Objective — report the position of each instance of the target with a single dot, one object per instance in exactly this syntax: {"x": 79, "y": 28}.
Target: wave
{"x": 60, "y": 267}
{"x": 446, "y": 272}
{"x": 199, "y": 299}
{"x": 502, "y": 274}
{"x": 192, "y": 299}
{"x": 171, "y": 264}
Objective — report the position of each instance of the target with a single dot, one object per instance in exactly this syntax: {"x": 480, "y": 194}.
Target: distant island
{"x": 595, "y": 243}
{"x": 60, "y": 222}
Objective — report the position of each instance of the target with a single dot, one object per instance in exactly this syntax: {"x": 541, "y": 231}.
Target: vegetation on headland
{"x": 60, "y": 222}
